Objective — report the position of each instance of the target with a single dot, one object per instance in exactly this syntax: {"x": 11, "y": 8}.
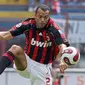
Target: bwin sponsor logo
{"x": 40, "y": 44}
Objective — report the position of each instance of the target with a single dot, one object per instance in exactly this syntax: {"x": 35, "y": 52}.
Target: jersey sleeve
{"x": 20, "y": 28}
{"x": 59, "y": 36}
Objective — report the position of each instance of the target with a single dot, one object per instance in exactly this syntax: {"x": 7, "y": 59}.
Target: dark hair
{"x": 43, "y": 7}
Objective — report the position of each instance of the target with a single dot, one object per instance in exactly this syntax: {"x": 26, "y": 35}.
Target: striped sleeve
{"x": 20, "y": 28}
{"x": 58, "y": 34}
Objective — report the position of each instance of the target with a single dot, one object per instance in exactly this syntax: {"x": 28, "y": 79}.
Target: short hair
{"x": 42, "y": 7}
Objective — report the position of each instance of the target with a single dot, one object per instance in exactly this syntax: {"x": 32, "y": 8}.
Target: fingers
{"x": 63, "y": 67}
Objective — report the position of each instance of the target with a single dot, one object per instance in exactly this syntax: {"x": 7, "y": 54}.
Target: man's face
{"x": 41, "y": 18}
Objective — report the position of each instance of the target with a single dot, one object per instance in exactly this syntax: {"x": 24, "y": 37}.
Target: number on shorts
{"x": 47, "y": 81}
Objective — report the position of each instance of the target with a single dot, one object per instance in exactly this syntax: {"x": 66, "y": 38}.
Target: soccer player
{"x": 42, "y": 36}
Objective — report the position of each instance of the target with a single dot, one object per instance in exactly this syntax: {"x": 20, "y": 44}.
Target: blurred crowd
{"x": 35, "y": 2}
{"x": 55, "y": 5}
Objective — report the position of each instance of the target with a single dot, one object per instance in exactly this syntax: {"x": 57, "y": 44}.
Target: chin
{"x": 39, "y": 28}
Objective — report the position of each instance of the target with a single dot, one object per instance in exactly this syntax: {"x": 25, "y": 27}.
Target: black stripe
{"x": 47, "y": 57}
{"x": 32, "y": 47}
{"x": 26, "y": 42}
{"x": 40, "y": 49}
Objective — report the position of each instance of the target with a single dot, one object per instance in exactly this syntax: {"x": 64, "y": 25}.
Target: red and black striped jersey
{"x": 40, "y": 43}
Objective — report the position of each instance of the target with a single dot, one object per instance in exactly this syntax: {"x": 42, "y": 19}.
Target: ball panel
{"x": 70, "y": 55}
{"x": 66, "y": 60}
{"x": 75, "y": 58}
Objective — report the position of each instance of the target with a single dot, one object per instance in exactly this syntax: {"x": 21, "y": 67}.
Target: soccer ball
{"x": 70, "y": 55}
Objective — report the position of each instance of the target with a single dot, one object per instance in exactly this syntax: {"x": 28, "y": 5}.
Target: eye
{"x": 46, "y": 17}
{"x": 40, "y": 16}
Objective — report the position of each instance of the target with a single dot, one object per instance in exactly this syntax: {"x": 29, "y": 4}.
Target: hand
{"x": 62, "y": 66}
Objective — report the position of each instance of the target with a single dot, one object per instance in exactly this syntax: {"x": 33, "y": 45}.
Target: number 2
{"x": 47, "y": 81}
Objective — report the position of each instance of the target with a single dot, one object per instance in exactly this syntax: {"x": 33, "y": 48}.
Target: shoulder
{"x": 28, "y": 21}
{"x": 53, "y": 24}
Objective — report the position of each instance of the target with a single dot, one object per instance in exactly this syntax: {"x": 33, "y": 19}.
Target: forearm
{"x": 61, "y": 47}
{"x": 5, "y": 35}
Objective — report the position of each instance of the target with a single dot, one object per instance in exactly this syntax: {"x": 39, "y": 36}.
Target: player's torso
{"x": 40, "y": 45}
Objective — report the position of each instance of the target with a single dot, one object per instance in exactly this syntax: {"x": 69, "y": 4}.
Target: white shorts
{"x": 39, "y": 74}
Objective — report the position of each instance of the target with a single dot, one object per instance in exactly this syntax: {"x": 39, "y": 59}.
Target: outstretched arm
{"x": 5, "y": 35}
{"x": 16, "y": 30}
{"x": 62, "y": 65}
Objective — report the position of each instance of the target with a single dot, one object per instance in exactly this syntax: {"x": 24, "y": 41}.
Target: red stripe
{"x": 50, "y": 61}
{"x": 44, "y": 49}
{"x": 26, "y": 22}
{"x": 55, "y": 25}
{"x": 36, "y": 47}
{"x": 62, "y": 35}
{"x": 32, "y": 21}
{"x": 13, "y": 28}
{"x": 30, "y": 37}
{"x": 56, "y": 50}
{"x": 9, "y": 56}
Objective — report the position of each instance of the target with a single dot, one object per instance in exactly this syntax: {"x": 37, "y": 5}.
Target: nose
{"x": 42, "y": 19}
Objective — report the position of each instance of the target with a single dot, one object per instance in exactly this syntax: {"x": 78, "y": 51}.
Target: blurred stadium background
{"x": 69, "y": 14}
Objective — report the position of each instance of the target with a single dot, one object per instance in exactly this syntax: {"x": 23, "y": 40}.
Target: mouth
{"x": 42, "y": 25}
